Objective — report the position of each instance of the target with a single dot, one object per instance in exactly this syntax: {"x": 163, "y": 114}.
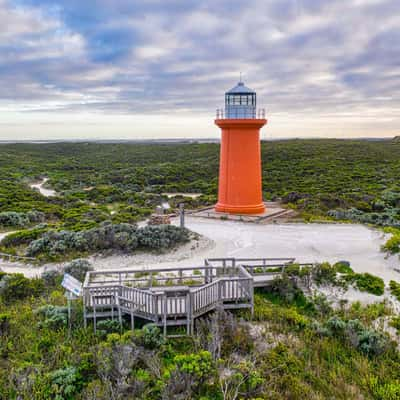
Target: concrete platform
{"x": 273, "y": 211}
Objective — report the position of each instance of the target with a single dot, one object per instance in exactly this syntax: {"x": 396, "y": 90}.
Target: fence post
{"x": 188, "y": 313}
{"x": 165, "y": 309}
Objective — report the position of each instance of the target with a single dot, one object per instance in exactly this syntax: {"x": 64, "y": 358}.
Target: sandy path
{"x": 42, "y": 190}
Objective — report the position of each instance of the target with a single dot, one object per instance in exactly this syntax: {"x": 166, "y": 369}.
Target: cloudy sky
{"x": 79, "y": 69}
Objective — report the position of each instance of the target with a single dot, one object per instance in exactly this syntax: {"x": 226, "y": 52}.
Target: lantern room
{"x": 240, "y": 102}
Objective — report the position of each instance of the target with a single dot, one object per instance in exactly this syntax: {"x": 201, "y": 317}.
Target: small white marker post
{"x": 182, "y": 214}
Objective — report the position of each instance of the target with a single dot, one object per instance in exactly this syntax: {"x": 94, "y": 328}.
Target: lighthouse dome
{"x": 240, "y": 102}
{"x": 240, "y": 88}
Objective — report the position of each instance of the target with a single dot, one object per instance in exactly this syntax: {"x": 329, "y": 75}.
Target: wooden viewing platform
{"x": 176, "y": 297}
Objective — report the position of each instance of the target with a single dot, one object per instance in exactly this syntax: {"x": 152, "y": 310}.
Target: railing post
{"x": 220, "y": 290}
{"x": 251, "y": 287}
{"x": 180, "y": 277}
{"x": 165, "y": 309}
{"x": 189, "y": 313}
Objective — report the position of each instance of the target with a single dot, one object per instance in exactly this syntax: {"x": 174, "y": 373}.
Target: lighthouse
{"x": 240, "y": 186}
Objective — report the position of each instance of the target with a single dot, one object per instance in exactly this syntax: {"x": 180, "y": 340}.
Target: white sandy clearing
{"x": 191, "y": 195}
{"x": 42, "y": 190}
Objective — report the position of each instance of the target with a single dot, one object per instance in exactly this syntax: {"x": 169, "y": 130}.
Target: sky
{"x": 127, "y": 69}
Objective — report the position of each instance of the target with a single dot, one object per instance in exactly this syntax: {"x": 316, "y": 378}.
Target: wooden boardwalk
{"x": 176, "y": 297}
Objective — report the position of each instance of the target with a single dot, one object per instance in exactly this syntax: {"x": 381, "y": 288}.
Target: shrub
{"x": 151, "y": 336}
{"x": 367, "y": 341}
{"x": 369, "y": 283}
{"x": 162, "y": 236}
{"x": 292, "y": 317}
{"x": 372, "y": 343}
{"x": 387, "y": 391}
{"x": 54, "y": 317}
{"x": 324, "y": 274}
{"x": 395, "y": 289}
{"x": 392, "y": 245}
{"x": 124, "y": 237}
{"x": 343, "y": 267}
{"x": 16, "y": 219}
{"x": 16, "y": 287}
{"x": 263, "y": 310}
{"x": 285, "y": 288}
{"x": 395, "y": 323}
{"x": 64, "y": 383}
{"x": 51, "y": 277}
{"x": 107, "y": 326}
{"x": 199, "y": 365}
{"x": 4, "y": 324}
{"x": 23, "y": 237}
{"x": 335, "y": 325}
{"x": 78, "y": 268}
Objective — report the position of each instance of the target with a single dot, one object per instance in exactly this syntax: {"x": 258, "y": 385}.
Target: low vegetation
{"x": 346, "y": 179}
{"x": 295, "y": 347}
{"x": 392, "y": 245}
{"x": 321, "y": 179}
{"x": 50, "y": 244}
{"x": 395, "y": 289}
{"x": 325, "y": 274}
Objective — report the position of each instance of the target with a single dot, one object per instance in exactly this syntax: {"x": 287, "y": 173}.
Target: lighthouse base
{"x": 242, "y": 209}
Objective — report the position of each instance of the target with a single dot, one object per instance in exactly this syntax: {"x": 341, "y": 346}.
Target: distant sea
{"x": 191, "y": 140}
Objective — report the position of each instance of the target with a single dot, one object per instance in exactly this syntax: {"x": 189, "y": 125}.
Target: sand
{"x": 45, "y": 192}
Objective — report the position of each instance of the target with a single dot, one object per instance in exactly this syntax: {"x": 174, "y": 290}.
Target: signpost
{"x": 182, "y": 214}
{"x": 74, "y": 290}
{"x": 72, "y": 285}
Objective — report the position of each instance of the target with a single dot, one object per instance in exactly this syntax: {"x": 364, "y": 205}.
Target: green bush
{"x": 199, "y": 365}
{"x": 291, "y": 317}
{"x": 107, "y": 236}
{"x": 23, "y": 237}
{"x": 54, "y": 317}
{"x": 17, "y": 286}
{"x": 107, "y": 326}
{"x": 392, "y": 245}
{"x": 343, "y": 267}
{"x": 395, "y": 289}
{"x": 18, "y": 219}
{"x": 51, "y": 278}
{"x": 161, "y": 236}
{"x": 285, "y": 288}
{"x": 64, "y": 384}
{"x": 4, "y": 324}
{"x": 151, "y": 336}
{"x": 395, "y": 323}
{"x": 324, "y": 274}
{"x": 369, "y": 283}
{"x": 78, "y": 268}
{"x": 386, "y": 391}
{"x": 367, "y": 341}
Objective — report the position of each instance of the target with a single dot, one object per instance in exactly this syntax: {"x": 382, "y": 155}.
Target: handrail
{"x": 133, "y": 271}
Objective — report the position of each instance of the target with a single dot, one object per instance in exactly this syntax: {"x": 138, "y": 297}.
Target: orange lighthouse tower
{"x": 240, "y": 188}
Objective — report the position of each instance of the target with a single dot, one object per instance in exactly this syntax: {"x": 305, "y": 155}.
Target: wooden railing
{"x": 101, "y": 296}
{"x": 136, "y": 300}
{"x": 206, "y": 297}
{"x": 226, "y": 281}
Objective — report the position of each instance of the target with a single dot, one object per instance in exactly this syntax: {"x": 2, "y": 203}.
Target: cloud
{"x": 314, "y": 58}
